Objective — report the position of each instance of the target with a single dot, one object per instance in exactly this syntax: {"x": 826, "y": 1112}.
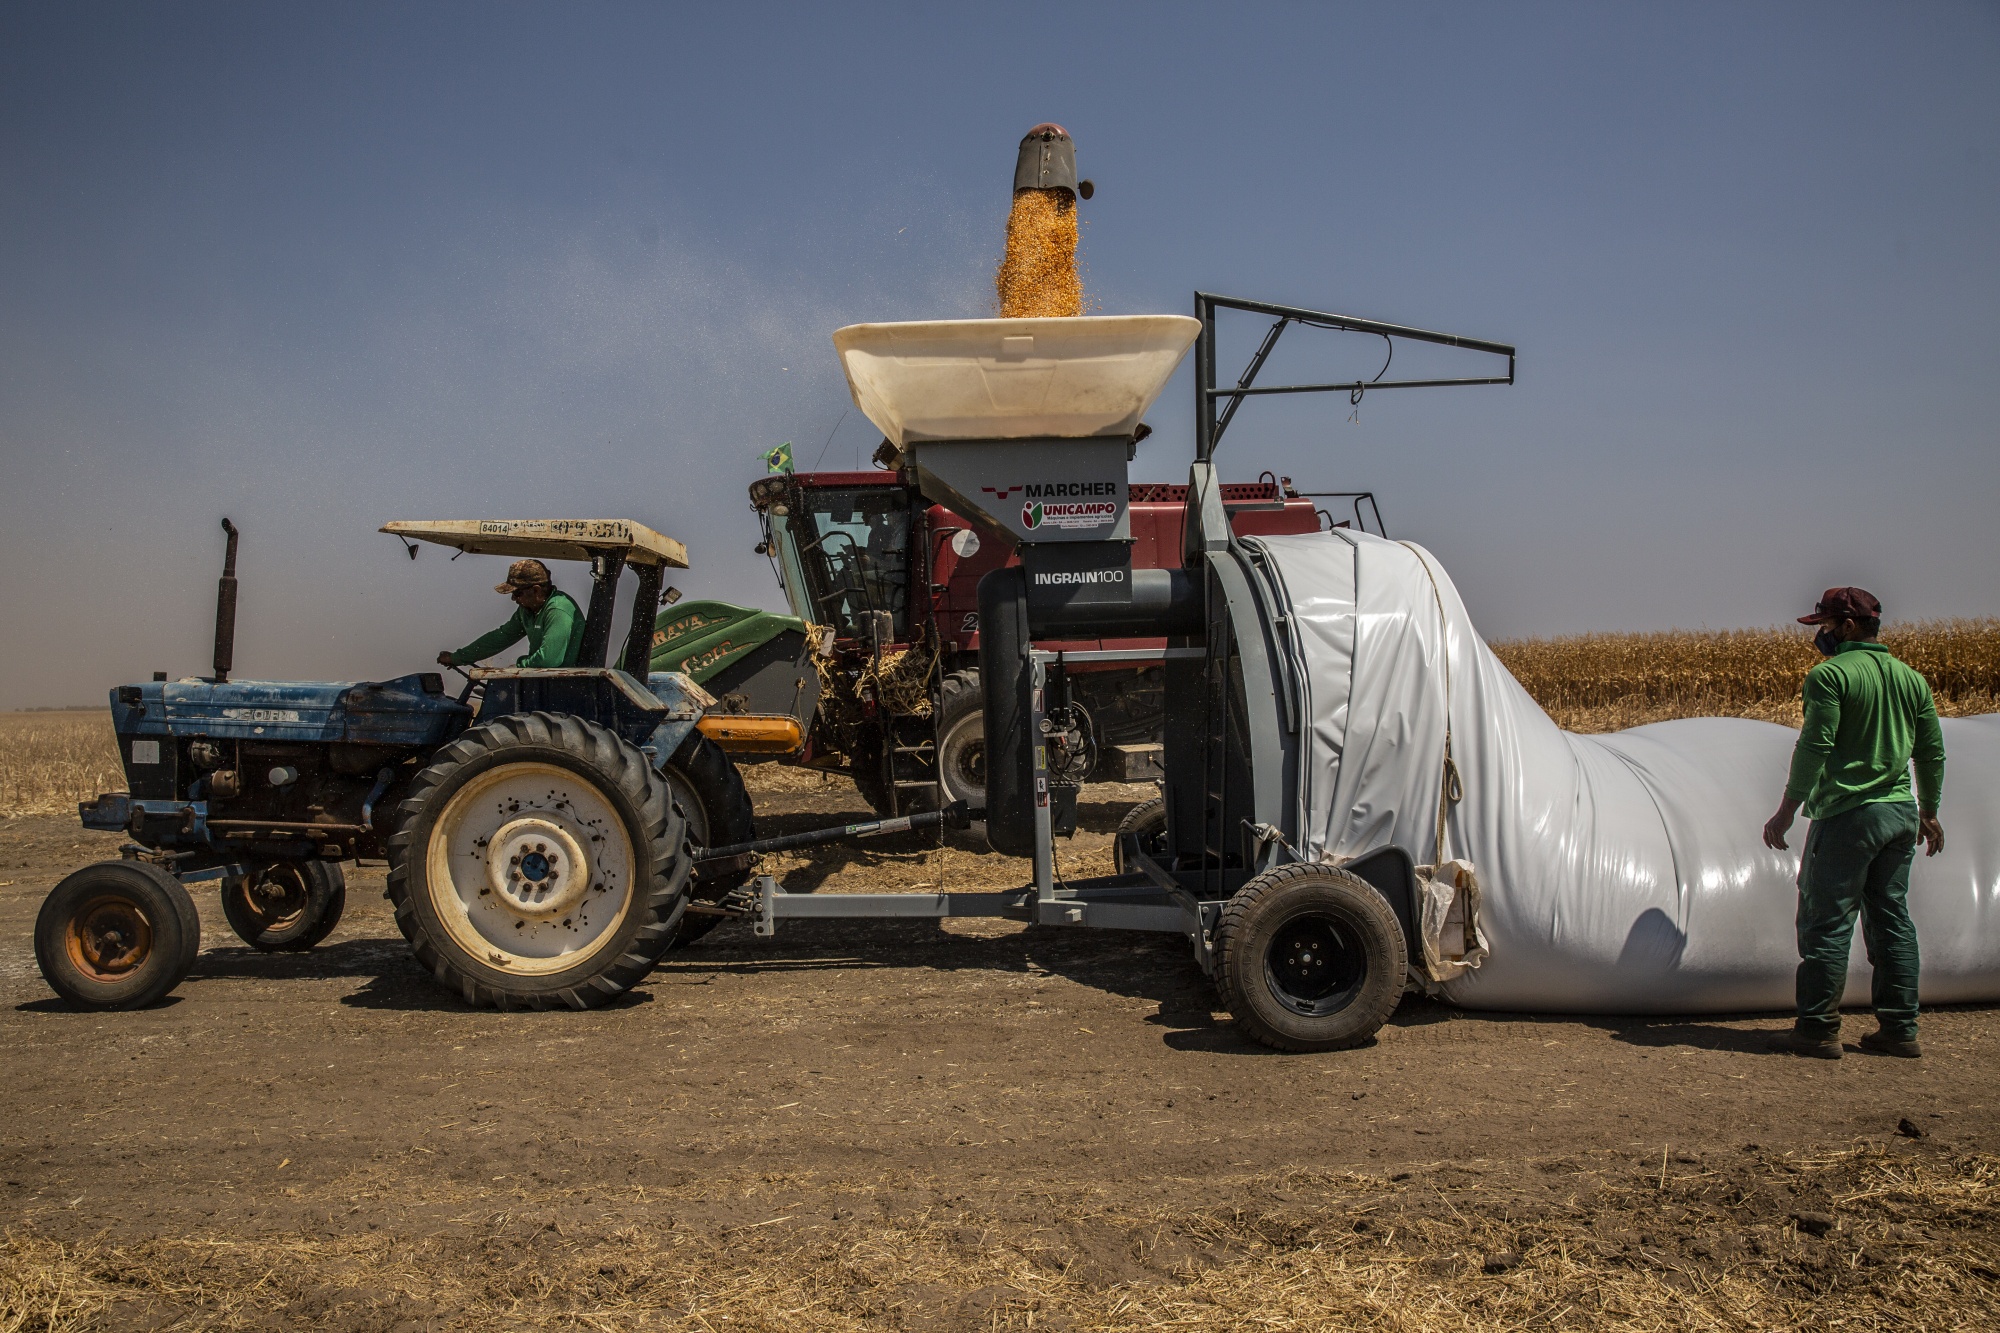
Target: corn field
{"x": 1605, "y": 682}
{"x": 1588, "y": 682}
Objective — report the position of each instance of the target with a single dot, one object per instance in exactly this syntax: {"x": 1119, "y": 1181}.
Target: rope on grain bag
{"x": 1451, "y": 789}
{"x": 1449, "y": 889}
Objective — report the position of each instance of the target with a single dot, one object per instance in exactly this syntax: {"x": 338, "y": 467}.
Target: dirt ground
{"x": 979, "y": 1125}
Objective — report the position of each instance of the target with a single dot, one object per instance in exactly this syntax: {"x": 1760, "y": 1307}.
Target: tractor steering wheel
{"x": 470, "y": 683}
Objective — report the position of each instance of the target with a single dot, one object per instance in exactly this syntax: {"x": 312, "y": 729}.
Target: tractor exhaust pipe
{"x": 225, "y": 610}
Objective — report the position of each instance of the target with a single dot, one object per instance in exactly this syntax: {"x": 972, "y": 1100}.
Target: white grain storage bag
{"x": 1621, "y": 873}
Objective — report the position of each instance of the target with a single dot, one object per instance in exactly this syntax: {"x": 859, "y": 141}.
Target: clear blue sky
{"x": 316, "y": 267}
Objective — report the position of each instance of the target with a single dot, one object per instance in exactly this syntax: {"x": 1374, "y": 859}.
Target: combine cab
{"x": 881, "y": 650}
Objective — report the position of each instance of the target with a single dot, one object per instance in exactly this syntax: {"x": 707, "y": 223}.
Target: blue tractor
{"x": 541, "y": 827}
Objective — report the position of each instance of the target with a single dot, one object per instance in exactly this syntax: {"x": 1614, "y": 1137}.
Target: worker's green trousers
{"x": 1858, "y": 860}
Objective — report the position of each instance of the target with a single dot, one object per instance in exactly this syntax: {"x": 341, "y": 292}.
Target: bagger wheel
{"x": 288, "y": 907}
{"x": 538, "y": 862}
{"x": 961, "y": 739}
{"x": 707, "y": 787}
{"x": 116, "y": 935}
{"x": 1312, "y": 958}
{"x": 1145, "y": 825}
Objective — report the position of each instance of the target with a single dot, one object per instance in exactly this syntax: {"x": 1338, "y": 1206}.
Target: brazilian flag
{"x": 778, "y": 459}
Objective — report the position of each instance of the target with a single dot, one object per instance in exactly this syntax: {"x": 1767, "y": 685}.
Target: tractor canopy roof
{"x": 548, "y": 538}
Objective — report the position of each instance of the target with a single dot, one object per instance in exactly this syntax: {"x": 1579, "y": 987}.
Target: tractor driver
{"x": 547, "y": 616}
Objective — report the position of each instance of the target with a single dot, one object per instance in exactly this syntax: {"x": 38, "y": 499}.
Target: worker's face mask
{"x": 1828, "y": 641}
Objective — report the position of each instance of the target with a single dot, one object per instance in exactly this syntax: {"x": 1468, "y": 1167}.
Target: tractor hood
{"x": 409, "y": 710}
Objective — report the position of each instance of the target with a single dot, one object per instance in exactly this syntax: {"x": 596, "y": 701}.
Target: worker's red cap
{"x": 1844, "y": 604}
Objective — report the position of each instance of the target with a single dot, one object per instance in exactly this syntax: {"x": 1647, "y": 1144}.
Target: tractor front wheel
{"x": 1312, "y": 958}
{"x": 285, "y": 908}
{"x": 117, "y": 935}
{"x": 539, "y": 861}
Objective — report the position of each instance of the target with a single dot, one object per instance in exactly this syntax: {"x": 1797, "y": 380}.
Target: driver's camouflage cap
{"x": 524, "y": 574}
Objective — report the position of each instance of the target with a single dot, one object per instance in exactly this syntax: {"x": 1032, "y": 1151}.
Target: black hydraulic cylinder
{"x": 954, "y": 815}
{"x": 225, "y": 609}
{"x": 1005, "y": 682}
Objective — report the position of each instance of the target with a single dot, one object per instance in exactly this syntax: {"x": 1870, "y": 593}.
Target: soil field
{"x": 970, "y": 1126}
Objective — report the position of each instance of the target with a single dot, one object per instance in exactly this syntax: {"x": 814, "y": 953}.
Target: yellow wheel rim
{"x": 530, "y": 869}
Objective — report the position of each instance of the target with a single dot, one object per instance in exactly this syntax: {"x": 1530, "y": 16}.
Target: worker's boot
{"x": 1807, "y": 1044}
{"x": 1881, "y": 1043}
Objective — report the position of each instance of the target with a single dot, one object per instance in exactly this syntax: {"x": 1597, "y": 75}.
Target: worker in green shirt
{"x": 544, "y": 614}
{"x": 1867, "y": 716}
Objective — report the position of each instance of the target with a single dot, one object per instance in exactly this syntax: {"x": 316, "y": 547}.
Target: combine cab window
{"x": 852, "y": 547}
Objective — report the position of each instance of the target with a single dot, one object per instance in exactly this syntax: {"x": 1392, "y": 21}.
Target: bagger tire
{"x": 708, "y": 788}
{"x": 117, "y": 935}
{"x": 1312, "y": 958}
{"x": 286, "y": 908}
{"x": 539, "y": 861}
{"x": 961, "y": 739}
{"x": 1144, "y": 826}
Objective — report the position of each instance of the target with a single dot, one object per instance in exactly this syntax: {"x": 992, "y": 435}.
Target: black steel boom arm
{"x": 1209, "y": 426}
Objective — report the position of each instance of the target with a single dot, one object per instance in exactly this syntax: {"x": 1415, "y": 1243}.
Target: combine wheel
{"x": 1144, "y": 825}
{"x": 288, "y": 907}
{"x": 539, "y": 861}
{"x": 1312, "y": 958}
{"x": 117, "y": 935}
{"x": 708, "y": 789}
{"x": 961, "y": 739}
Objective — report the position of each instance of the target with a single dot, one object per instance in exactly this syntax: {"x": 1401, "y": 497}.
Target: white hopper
{"x": 1619, "y": 873}
{"x": 1011, "y": 379}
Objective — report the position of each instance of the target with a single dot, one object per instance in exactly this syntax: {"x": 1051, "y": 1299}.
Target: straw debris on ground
{"x": 1869, "y": 1237}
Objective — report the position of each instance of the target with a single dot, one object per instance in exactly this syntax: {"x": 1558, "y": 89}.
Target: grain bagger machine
{"x": 1027, "y": 427}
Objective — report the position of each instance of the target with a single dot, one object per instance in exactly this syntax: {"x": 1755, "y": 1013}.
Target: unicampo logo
{"x": 1040, "y": 513}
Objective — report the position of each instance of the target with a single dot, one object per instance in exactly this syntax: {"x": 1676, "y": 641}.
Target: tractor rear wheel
{"x": 1144, "y": 826}
{"x": 117, "y": 935}
{"x": 539, "y": 861}
{"x": 961, "y": 739}
{"x": 709, "y": 790}
{"x": 285, "y": 908}
{"x": 1312, "y": 958}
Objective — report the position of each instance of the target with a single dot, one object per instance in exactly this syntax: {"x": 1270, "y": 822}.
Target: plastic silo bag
{"x": 1619, "y": 873}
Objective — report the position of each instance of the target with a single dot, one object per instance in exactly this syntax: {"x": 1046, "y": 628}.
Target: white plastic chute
{"x": 1621, "y": 873}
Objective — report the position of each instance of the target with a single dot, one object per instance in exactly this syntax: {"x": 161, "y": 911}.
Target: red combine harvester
{"x": 883, "y": 590}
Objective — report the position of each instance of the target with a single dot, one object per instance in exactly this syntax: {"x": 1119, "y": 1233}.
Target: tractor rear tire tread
{"x": 659, "y": 848}
{"x": 707, "y": 768}
{"x": 959, "y": 695}
{"x": 1264, "y": 904}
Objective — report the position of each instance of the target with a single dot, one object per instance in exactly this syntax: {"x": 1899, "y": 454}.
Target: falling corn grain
{"x": 1038, "y": 276}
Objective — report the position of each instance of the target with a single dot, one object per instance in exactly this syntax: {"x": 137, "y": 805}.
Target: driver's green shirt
{"x": 554, "y": 634}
